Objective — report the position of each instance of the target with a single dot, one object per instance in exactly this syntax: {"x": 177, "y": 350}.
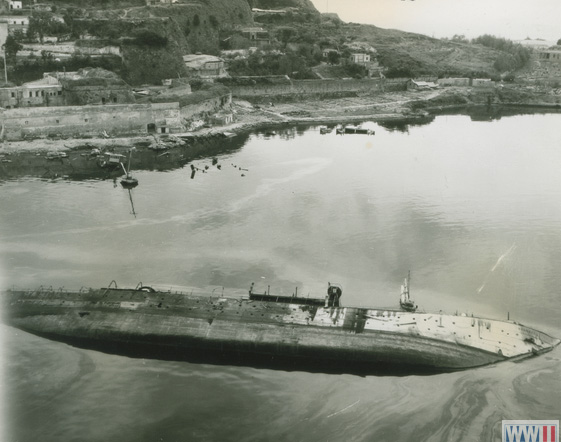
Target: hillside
{"x": 401, "y": 54}
{"x": 154, "y": 38}
{"x": 424, "y": 55}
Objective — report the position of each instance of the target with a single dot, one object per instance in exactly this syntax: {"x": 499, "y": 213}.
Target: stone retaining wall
{"x": 129, "y": 119}
{"x": 318, "y": 87}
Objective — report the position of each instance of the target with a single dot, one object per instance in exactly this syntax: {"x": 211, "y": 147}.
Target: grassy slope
{"x": 430, "y": 54}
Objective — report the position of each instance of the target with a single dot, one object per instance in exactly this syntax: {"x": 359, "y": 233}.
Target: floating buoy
{"x": 129, "y": 182}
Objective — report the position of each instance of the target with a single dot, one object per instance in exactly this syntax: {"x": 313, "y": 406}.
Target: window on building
{"x": 57, "y": 121}
{"x": 86, "y": 120}
{"x": 60, "y": 92}
{"x": 13, "y": 95}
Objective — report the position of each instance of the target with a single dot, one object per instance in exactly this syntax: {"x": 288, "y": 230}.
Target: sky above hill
{"x": 512, "y": 19}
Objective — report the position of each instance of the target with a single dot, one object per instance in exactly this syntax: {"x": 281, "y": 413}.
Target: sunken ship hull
{"x": 259, "y": 330}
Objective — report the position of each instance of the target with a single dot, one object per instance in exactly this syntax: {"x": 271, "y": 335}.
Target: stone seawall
{"x": 81, "y": 121}
{"x": 318, "y": 87}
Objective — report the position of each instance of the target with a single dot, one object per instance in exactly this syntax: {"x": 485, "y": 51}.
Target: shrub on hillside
{"x": 515, "y": 55}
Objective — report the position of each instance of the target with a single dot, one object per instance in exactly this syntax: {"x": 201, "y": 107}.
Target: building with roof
{"x": 16, "y": 22}
{"x": 257, "y": 36}
{"x": 84, "y": 87}
{"x": 44, "y": 92}
{"x": 93, "y": 86}
{"x": 420, "y": 85}
{"x": 325, "y": 53}
{"x": 365, "y": 59}
{"x": 359, "y": 58}
{"x": 14, "y": 5}
{"x": 204, "y": 65}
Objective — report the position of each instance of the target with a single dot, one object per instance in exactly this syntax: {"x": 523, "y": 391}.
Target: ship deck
{"x": 241, "y": 330}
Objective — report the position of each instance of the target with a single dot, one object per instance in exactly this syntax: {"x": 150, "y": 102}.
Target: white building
{"x": 15, "y": 4}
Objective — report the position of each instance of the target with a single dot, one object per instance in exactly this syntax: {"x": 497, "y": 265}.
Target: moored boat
{"x": 128, "y": 182}
{"x": 352, "y": 129}
{"x": 264, "y": 330}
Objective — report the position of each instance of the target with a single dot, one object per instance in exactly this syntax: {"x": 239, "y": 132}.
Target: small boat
{"x": 325, "y": 130}
{"x": 110, "y": 160}
{"x": 264, "y": 330}
{"x": 129, "y": 181}
{"x": 351, "y": 129}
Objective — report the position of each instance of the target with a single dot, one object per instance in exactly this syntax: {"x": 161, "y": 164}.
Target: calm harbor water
{"x": 471, "y": 206}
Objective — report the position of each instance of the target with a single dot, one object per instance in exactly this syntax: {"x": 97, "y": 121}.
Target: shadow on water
{"x": 84, "y": 163}
{"x": 239, "y": 358}
{"x": 476, "y": 113}
{"x": 403, "y": 125}
{"x": 495, "y": 113}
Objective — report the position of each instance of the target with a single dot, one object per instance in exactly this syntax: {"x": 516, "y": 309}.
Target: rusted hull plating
{"x": 267, "y": 334}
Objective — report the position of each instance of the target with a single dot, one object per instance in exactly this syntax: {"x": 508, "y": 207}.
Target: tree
{"x": 333, "y": 57}
{"x": 43, "y": 23}
{"x": 12, "y": 47}
{"x": 213, "y": 21}
{"x": 460, "y": 38}
{"x": 559, "y": 42}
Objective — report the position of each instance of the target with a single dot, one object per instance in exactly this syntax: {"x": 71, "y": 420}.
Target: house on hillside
{"x": 553, "y": 55}
{"x": 16, "y": 22}
{"x": 44, "y": 92}
{"x": 204, "y": 65}
{"x": 257, "y": 36}
{"x": 325, "y": 53}
{"x": 359, "y": 58}
{"x": 365, "y": 59}
{"x": 15, "y": 5}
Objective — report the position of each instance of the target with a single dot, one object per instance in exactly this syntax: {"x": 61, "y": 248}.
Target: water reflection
{"x": 89, "y": 163}
{"x": 132, "y": 202}
{"x": 495, "y": 113}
